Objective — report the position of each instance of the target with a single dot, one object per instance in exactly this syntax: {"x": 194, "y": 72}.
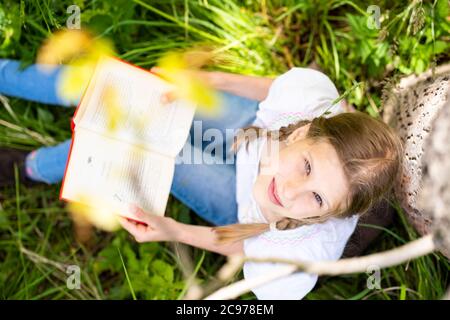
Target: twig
{"x": 62, "y": 267}
{"x": 4, "y": 100}
{"x": 36, "y": 258}
{"x": 447, "y": 295}
{"x": 412, "y": 250}
{"x": 33, "y": 134}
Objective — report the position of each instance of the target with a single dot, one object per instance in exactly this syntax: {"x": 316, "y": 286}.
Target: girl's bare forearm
{"x": 255, "y": 88}
{"x": 205, "y": 238}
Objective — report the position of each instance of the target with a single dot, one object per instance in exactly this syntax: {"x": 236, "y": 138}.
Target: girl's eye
{"x": 318, "y": 199}
{"x": 307, "y": 167}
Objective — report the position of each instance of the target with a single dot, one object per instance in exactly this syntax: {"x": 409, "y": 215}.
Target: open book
{"x": 124, "y": 141}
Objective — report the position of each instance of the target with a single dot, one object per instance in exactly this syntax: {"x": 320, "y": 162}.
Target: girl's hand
{"x": 207, "y": 77}
{"x": 156, "y": 228}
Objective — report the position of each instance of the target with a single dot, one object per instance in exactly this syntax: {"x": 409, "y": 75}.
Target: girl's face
{"x": 305, "y": 179}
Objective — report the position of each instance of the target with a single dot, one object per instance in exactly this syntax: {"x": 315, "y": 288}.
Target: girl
{"x": 301, "y": 202}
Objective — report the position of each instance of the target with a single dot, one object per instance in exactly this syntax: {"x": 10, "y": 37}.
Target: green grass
{"x": 268, "y": 37}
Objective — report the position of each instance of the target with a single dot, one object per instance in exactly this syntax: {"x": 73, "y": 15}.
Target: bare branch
{"x": 412, "y": 250}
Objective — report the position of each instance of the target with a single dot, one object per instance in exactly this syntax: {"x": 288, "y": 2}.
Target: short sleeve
{"x": 300, "y": 93}
{"x": 317, "y": 242}
{"x": 291, "y": 287}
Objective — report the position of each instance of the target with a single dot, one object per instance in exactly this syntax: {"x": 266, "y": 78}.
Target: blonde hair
{"x": 369, "y": 150}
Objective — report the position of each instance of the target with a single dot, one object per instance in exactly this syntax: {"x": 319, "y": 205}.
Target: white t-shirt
{"x": 298, "y": 94}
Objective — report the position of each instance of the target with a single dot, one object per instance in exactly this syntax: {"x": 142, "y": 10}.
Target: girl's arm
{"x": 156, "y": 228}
{"x": 251, "y": 87}
{"x": 204, "y": 238}
{"x": 255, "y": 88}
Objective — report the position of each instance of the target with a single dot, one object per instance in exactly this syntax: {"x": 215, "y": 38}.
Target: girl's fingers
{"x": 139, "y": 213}
{"x": 140, "y": 232}
{"x": 159, "y": 72}
{"x": 156, "y": 70}
{"x": 137, "y": 230}
{"x": 168, "y": 97}
{"x": 131, "y": 227}
{"x": 141, "y": 228}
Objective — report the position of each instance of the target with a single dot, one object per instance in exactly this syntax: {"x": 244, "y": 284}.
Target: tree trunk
{"x": 416, "y": 108}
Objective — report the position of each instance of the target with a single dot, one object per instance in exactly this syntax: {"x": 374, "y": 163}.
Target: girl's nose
{"x": 292, "y": 189}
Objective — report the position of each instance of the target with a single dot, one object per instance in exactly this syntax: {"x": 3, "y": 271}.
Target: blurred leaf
{"x": 108, "y": 260}
{"x": 45, "y": 116}
{"x": 442, "y": 9}
{"x": 163, "y": 269}
{"x": 99, "y": 23}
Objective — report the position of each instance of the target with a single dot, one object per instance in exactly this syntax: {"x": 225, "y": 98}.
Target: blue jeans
{"x": 207, "y": 189}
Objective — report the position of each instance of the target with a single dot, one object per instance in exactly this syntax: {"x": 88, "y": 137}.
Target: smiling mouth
{"x": 272, "y": 192}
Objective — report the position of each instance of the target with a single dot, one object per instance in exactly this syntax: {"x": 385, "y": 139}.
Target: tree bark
{"x": 418, "y": 108}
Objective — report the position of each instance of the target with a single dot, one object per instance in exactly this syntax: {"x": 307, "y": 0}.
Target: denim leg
{"x": 237, "y": 112}
{"x": 209, "y": 189}
{"x": 32, "y": 83}
{"x": 48, "y": 164}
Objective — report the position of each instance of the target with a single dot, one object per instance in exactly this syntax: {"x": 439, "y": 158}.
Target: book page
{"x": 117, "y": 173}
{"x": 123, "y": 101}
